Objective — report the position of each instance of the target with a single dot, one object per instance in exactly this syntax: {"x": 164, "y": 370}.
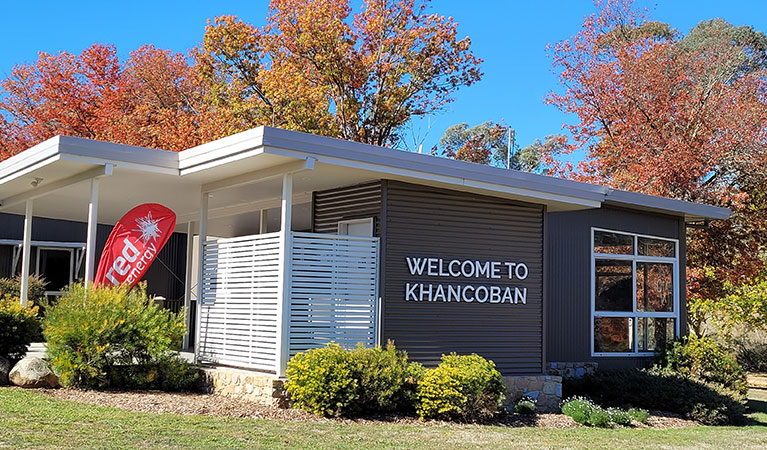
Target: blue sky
{"x": 509, "y": 36}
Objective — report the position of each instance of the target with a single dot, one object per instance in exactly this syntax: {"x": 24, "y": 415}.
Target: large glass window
{"x": 635, "y": 293}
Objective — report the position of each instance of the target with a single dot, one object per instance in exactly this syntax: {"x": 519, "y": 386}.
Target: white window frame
{"x": 634, "y": 314}
{"x": 71, "y": 266}
{"x": 343, "y": 225}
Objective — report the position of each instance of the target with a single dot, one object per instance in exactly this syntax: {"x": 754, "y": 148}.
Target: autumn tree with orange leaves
{"x": 314, "y": 67}
{"x": 678, "y": 116}
{"x": 317, "y": 68}
{"x": 153, "y": 100}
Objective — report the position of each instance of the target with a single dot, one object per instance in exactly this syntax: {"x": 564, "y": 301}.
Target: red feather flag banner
{"x": 134, "y": 244}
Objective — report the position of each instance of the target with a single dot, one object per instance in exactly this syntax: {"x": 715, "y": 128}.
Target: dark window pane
{"x": 613, "y": 243}
{"x": 55, "y": 267}
{"x": 613, "y": 285}
{"x": 613, "y": 334}
{"x": 654, "y": 332}
{"x": 655, "y": 287}
{"x": 656, "y": 247}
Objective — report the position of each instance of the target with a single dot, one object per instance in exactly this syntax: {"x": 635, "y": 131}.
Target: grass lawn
{"x": 32, "y": 419}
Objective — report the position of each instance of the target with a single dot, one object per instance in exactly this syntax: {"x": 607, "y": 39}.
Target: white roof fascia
{"x": 319, "y": 145}
{"x": 31, "y": 159}
{"x": 120, "y": 155}
{"x": 67, "y": 148}
{"x": 426, "y": 175}
{"x": 221, "y": 151}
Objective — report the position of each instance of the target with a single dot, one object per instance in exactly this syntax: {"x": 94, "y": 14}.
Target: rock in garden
{"x": 5, "y": 366}
{"x": 32, "y": 372}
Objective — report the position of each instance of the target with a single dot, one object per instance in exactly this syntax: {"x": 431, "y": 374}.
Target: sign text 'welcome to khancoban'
{"x": 469, "y": 293}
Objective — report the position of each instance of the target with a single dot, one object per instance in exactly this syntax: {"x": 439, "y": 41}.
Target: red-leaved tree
{"x": 680, "y": 116}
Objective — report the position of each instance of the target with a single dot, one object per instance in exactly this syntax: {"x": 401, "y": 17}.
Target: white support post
{"x": 188, "y": 279}
{"x": 283, "y": 313}
{"x": 203, "y": 236}
{"x": 26, "y": 251}
{"x": 90, "y": 241}
{"x": 262, "y": 222}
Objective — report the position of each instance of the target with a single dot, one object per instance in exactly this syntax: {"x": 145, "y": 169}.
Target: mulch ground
{"x": 221, "y": 406}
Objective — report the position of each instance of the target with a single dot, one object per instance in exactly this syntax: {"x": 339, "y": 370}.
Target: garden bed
{"x": 222, "y": 406}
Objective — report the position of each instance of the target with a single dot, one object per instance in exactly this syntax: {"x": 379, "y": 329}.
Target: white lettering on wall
{"x": 467, "y": 293}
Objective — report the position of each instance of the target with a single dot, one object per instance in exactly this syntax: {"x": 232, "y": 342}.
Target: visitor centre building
{"x": 287, "y": 241}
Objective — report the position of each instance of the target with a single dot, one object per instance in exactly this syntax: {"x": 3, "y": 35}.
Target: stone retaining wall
{"x": 260, "y": 388}
{"x": 572, "y": 369}
{"x": 545, "y": 389}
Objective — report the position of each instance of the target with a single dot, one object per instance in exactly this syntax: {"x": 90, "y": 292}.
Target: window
{"x": 356, "y": 227}
{"x": 635, "y": 293}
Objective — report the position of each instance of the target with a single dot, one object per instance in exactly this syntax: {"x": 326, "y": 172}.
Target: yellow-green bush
{"x": 35, "y": 291}
{"x": 94, "y": 334}
{"x": 18, "y": 328}
{"x": 463, "y": 387}
{"x": 332, "y": 381}
{"x": 703, "y": 359}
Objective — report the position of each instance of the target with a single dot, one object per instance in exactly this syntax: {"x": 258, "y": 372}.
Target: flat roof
{"x": 62, "y": 157}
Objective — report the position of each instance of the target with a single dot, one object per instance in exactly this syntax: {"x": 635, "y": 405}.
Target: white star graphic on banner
{"x": 148, "y": 228}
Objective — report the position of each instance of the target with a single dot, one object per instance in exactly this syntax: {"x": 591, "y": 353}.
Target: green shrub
{"x": 638, "y": 414}
{"x": 332, "y": 381}
{"x": 461, "y": 387}
{"x": 751, "y": 351}
{"x": 578, "y": 408}
{"x": 18, "y": 328}
{"x": 168, "y": 373}
{"x": 619, "y": 416}
{"x": 661, "y": 390}
{"x": 525, "y": 406}
{"x": 94, "y": 333}
{"x": 35, "y": 292}
{"x": 387, "y": 380}
{"x": 702, "y": 358}
{"x": 588, "y": 413}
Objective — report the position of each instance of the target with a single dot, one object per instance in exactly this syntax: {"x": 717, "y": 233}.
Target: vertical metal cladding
{"x": 568, "y": 289}
{"x": 351, "y": 202}
{"x": 425, "y": 222}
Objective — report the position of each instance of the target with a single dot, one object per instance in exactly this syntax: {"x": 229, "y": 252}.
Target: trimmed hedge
{"x": 114, "y": 337}
{"x": 461, "y": 387}
{"x": 661, "y": 390}
{"x": 332, "y": 381}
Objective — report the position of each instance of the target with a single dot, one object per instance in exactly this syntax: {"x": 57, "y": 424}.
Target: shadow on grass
{"x": 757, "y": 400}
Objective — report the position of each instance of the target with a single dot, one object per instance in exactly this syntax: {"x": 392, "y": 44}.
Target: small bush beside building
{"x": 115, "y": 338}
{"x": 19, "y": 327}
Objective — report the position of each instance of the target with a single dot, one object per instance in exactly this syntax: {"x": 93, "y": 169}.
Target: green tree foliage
{"x": 486, "y": 143}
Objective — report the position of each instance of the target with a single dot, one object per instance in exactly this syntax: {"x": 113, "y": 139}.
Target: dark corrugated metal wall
{"x": 568, "y": 336}
{"x": 421, "y": 221}
{"x": 351, "y": 202}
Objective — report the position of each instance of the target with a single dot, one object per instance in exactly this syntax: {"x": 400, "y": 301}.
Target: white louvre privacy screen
{"x": 239, "y": 312}
{"x": 333, "y": 291}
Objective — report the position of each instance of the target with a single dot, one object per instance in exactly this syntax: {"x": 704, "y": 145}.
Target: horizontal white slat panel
{"x": 240, "y": 302}
{"x": 333, "y": 291}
